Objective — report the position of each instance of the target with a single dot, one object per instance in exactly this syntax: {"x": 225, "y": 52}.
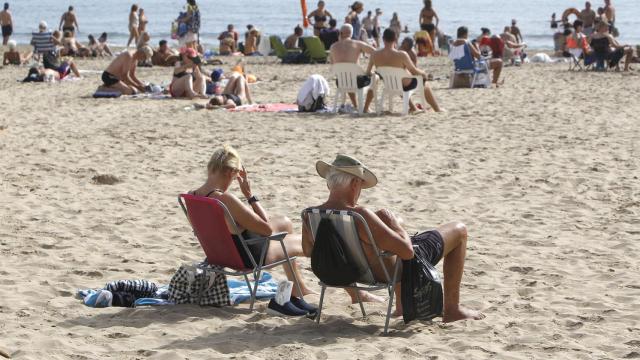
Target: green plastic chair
{"x": 314, "y": 49}
{"x": 279, "y": 49}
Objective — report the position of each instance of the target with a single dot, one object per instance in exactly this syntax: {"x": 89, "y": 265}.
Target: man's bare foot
{"x": 396, "y": 313}
{"x": 462, "y": 314}
{"x": 366, "y": 297}
{"x": 307, "y": 291}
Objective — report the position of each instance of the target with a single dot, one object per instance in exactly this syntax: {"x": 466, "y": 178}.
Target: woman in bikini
{"x": 142, "y": 20}
{"x": 236, "y": 92}
{"x": 224, "y": 167}
{"x": 320, "y": 18}
{"x": 134, "y": 24}
{"x": 188, "y": 81}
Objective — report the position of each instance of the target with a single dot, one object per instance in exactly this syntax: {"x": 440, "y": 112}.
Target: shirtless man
{"x": 69, "y": 22}
{"x": 346, "y": 177}
{"x": 293, "y": 40}
{"x": 515, "y": 31}
{"x": 588, "y": 18}
{"x": 6, "y": 22}
{"x": 347, "y": 50}
{"x": 164, "y": 55}
{"x": 610, "y": 12}
{"x": 120, "y": 75}
{"x": 390, "y": 56}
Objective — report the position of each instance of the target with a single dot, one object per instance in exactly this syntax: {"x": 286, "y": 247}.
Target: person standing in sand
{"x": 120, "y": 75}
{"x": 347, "y": 50}
{"x": 346, "y": 177}
{"x": 6, "y": 22}
{"x": 225, "y": 168}
{"x": 427, "y": 15}
{"x": 354, "y": 20}
{"x": 588, "y": 18}
{"x": 320, "y": 17}
{"x": 142, "y": 19}
{"x": 610, "y": 13}
{"x": 390, "y": 56}
{"x": 69, "y": 21}
{"x": 515, "y": 31}
{"x": 134, "y": 25}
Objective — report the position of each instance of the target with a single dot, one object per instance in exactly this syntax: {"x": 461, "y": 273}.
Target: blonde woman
{"x": 134, "y": 24}
{"x": 225, "y": 168}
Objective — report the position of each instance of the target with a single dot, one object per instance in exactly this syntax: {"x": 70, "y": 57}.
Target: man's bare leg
{"x": 368, "y": 100}
{"x": 496, "y": 66}
{"x": 455, "y": 249}
{"x": 431, "y": 100}
{"x": 74, "y": 69}
{"x": 627, "y": 60}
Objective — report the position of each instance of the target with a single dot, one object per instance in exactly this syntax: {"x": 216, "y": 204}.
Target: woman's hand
{"x": 243, "y": 182}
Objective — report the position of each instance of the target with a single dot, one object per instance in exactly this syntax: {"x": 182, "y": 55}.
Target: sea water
{"x": 279, "y": 17}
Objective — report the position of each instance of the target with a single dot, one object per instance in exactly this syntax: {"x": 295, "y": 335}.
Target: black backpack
{"x": 421, "y": 292}
{"x": 330, "y": 261}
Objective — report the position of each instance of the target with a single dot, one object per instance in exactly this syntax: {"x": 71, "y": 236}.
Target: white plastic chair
{"x": 392, "y": 79}
{"x": 347, "y": 82}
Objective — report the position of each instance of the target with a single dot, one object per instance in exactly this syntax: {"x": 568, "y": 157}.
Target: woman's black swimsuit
{"x": 236, "y": 100}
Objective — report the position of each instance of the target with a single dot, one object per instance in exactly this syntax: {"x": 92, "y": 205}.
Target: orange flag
{"x": 305, "y": 21}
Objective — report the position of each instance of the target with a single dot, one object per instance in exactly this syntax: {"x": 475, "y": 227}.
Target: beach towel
{"x": 277, "y": 107}
{"x": 239, "y": 292}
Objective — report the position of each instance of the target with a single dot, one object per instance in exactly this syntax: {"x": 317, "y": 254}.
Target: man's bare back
{"x": 5, "y": 18}
{"x": 68, "y": 19}
{"x": 348, "y": 51}
{"x": 121, "y": 66}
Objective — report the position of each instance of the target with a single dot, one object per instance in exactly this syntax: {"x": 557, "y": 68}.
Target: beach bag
{"x": 330, "y": 261}
{"x": 421, "y": 293}
{"x": 193, "y": 284}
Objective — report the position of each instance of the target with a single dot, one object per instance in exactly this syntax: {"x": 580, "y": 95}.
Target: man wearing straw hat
{"x": 346, "y": 177}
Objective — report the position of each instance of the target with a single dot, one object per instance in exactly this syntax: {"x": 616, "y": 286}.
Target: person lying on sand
{"x": 390, "y": 56}
{"x": 14, "y": 57}
{"x": 188, "y": 81}
{"x": 98, "y": 49}
{"x": 224, "y": 168}
{"x": 120, "y": 75}
{"x": 236, "y": 93}
{"x": 164, "y": 55}
{"x": 347, "y": 50}
{"x": 72, "y": 47}
{"x": 346, "y": 177}
{"x": 40, "y": 73}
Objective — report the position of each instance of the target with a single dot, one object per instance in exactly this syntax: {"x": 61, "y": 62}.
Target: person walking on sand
{"x": 346, "y": 177}
{"x": 120, "y": 75}
{"x": 69, "y": 21}
{"x": 134, "y": 25}
{"x": 6, "y": 22}
{"x": 390, "y": 56}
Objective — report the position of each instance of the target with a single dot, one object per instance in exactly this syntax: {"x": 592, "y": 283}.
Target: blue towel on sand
{"x": 239, "y": 292}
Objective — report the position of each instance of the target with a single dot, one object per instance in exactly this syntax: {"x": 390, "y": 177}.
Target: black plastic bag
{"x": 330, "y": 261}
{"x": 421, "y": 294}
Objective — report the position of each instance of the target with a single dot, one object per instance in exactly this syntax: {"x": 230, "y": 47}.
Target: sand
{"x": 544, "y": 171}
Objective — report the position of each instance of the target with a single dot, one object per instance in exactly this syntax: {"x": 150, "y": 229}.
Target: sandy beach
{"x": 544, "y": 171}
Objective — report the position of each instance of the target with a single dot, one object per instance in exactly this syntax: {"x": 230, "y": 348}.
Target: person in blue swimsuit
{"x": 353, "y": 19}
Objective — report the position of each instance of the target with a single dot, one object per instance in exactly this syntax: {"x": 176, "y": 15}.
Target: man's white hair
{"x": 337, "y": 179}
{"x": 346, "y": 28}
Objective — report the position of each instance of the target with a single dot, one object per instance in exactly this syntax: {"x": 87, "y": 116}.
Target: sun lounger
{"x": 314, "y": 49}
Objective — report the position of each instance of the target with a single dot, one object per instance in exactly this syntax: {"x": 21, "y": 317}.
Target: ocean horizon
{"x": 279, "y": 17}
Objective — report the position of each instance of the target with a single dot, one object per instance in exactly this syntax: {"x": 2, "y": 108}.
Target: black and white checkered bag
{"x": 194, "y": 284}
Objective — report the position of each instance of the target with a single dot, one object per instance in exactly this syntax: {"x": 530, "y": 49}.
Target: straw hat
{"x": 349, "y": 165}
